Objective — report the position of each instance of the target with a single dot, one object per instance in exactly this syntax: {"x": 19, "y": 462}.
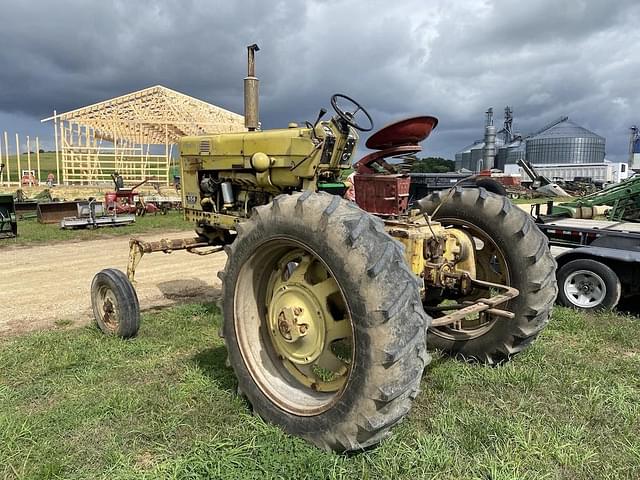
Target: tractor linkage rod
{"x": 137, "y": 248}
{"x": 486, "y": 305}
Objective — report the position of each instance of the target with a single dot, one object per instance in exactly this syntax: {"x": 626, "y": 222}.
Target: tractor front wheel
{"x": 115, "y": 304}
{"x": 323, "y": 321}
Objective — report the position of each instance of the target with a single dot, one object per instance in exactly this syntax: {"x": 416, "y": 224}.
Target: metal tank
{"x": 476, "y": 154}
{"x": 463, "y": 157}
{"x": 501, "y": 158}
{"x": 516, "y": 151}
{"x": 565, "y": 142}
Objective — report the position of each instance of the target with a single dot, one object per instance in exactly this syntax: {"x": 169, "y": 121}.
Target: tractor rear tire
{"x": 379, "y": 296}
{"x": 523, "y": 249}
{"x": 115, "y": 304}
{"x": 491, "y": 185}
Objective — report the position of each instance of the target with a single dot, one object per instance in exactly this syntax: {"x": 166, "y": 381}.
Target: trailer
{"x": 423, "y": 184}
{"x": 600, "y": 263}
{"x": 603, "y": 173}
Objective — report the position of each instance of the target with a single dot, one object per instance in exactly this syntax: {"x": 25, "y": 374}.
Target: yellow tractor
{"x": 329, "y": 304}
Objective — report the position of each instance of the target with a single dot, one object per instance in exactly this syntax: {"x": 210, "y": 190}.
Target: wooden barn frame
{"x": 133, "y": 134}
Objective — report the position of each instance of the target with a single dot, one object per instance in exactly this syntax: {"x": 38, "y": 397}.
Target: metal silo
{"x": 466, "y": 160}
{"x": 516, "y": 151}
{"x": 501, "y": 158}
{"x": 476, "y": 153}
{"x": 458, "y": 161}
{"x": 565, "y": 143}
{"x": 463, "y": 157}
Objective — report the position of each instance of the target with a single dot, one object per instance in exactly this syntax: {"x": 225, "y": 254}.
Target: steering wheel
{"x": 349, "y": 117}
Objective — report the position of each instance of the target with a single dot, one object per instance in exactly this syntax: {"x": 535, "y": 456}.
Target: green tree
{"x": 433, "y": 165}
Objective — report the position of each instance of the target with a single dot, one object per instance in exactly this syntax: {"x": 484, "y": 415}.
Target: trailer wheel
{"x": 510, "y": 250}
{"x": 115, "y": 304}
{"x": 587, "y": 284}
{"x": 323, "y": 321}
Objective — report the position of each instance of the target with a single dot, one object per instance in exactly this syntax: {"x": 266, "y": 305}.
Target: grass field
{"x": 47, "y": 164}
{"x": 32, "y": 232}
{"x": 75, "y": 404}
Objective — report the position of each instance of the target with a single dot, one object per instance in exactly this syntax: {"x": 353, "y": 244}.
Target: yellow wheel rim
{"x": 308, "y": 321}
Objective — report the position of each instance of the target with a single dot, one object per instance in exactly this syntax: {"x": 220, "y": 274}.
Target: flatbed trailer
{"x": 601, "y": 263}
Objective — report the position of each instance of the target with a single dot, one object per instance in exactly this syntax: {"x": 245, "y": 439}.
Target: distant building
{"x": 560, "y": 142}
{"x": 565, "y": 142}
{"x": 561, "y": 148}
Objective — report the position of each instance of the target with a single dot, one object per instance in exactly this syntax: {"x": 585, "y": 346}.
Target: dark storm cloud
{"x": 449, "y": 59}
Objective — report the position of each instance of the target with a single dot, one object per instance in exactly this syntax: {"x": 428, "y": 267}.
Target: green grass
{"x": 76, "y": 404}
{"x": 47, "y": 164}
{"x": 32, "y": 232}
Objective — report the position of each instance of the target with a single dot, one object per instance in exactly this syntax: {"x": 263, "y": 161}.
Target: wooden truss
{"x": 133, "y": 134}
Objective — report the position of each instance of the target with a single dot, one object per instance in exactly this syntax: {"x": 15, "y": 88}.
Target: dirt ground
{"x": 41, "y": 286}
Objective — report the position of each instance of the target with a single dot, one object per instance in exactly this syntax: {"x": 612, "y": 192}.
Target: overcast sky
{"x": 451, "y": 59}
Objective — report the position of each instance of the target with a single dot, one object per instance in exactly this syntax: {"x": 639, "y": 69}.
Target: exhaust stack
{"x": 251, "y": 110}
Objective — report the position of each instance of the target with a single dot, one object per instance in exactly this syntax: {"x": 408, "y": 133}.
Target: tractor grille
{"x": 205, "y": 147}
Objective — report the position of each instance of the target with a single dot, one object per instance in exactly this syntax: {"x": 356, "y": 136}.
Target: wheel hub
{"x": 585, "y": 289}
{"x": 109, "y": 309}
{"x": 296, "y": 324}
{"x": 291, "y": 324}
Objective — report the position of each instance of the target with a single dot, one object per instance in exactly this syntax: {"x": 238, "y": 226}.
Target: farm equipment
{"x": 91, "y": 214}
{"x": 8, "y": 221}
{"x": 328, "y": 307}
{"x": 541, "y": 184}
{"x": 127, "y": 200}
{"x": 162, "y": 202}
{"x": 623, "y": 200}
{"x": 29, "y": 178}
{"x": 54, "y": 212}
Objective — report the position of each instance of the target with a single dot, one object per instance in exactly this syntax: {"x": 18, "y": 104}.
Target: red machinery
{"x": 29, "y": 178}
{"x": 379, "y": 188}
{"x": 127, "y": 200}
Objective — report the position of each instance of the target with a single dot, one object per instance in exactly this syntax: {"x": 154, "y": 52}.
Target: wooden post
{"x": 29, "y": 161}
{"x": 6, "y": 155}
{"x": 38, "y": 160}
{"x": 19, "y": 163}
{"x": 1, "y": 162}
{"x": 89, "y": 174}
{"x": 63, "y": 144}
{"x": 166, "y": 152}
{"x": 78, "y": 159}
{"x": 55, "y": 127}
